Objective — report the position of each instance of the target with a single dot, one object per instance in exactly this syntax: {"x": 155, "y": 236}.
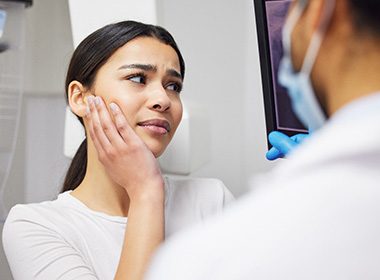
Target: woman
{"x": 116, "y": 207}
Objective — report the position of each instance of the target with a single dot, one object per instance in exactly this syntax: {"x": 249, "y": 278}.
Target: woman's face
{"x": 143, "y": 78}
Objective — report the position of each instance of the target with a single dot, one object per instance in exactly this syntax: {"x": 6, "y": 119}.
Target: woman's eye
{"x": 174, "y": 87}
{"x": 139, "y": 79}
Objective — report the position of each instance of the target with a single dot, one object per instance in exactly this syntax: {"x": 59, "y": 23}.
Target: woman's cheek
{"x": 178, "y": 113}
{"x": 127, "y": 105}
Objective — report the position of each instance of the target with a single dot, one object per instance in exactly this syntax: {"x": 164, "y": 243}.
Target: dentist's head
{"x": 140, "y": 68}
{"x": 330, "y": 49}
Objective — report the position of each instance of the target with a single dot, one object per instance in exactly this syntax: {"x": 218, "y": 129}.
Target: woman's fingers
{"x": 101, "y": 142}
{"x": 125, "y": 160}
{"x": 122, "y": 124}
{"x": 107, "y": 125}
{"x": 111, "y": 138}
{"x": 90, "y": 116}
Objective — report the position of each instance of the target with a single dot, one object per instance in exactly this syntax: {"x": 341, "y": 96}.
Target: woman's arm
{"x": 132, "y": 165}
{"x": 145, "y": 231}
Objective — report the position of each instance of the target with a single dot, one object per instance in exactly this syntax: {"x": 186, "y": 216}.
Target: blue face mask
{"x": 298, "y": 84}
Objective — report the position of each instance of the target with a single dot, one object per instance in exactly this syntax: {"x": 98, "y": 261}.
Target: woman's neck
{"x": 99, "y": 192}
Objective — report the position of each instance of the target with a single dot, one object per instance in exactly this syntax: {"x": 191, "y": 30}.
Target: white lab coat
{"x": 316, "y": 216}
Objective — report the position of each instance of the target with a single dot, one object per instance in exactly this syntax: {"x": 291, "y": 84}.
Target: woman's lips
{"x": 156, "y": 126}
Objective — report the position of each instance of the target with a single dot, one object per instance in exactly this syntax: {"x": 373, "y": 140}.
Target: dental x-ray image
{"x": 270, "y": 17}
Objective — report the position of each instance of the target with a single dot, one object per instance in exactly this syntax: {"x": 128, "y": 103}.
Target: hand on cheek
{"x": 126, "y": 158}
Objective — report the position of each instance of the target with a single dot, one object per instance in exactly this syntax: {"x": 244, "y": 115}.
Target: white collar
{"x": 358, "y": 108}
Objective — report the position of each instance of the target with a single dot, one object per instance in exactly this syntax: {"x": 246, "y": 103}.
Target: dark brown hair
{"x": 366, "y": 16}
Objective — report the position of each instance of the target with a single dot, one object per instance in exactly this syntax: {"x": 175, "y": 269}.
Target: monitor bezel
{"x": 266, "y": 71}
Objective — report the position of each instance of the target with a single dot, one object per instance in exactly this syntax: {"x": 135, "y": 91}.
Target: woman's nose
{"x": 159, "y": 100}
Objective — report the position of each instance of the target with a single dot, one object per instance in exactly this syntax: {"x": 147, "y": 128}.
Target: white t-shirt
{"x": 64, "y": 239}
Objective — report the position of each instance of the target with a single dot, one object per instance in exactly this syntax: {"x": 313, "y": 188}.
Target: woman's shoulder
{"x": 41, "y": 239}
{"x": 30, "y": 210}
{"x": 44, "y": 214}
{"x": 35, "y": 208}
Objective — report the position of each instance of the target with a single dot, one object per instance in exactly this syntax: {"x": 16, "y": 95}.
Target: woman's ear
{"x": 76, "y": 94}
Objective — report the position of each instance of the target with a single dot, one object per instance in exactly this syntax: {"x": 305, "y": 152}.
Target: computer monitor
{"x": 270, "y": 19}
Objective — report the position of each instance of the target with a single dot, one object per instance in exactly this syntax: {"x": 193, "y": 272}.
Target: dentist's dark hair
{"x": 366, "y": 16}
{"x": 89, "y": 56}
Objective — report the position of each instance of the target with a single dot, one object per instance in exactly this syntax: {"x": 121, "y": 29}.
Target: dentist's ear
{"x": 77, "y": 94}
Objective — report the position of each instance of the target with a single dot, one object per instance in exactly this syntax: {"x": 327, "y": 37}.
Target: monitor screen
{"x": 270, "y": 19}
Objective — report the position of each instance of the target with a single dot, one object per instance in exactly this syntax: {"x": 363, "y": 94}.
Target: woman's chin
{"x": 157, "y": 150}
{"x": 156, "y": 143}
{"x": 155, "y": 146}
{"x": 157, "y": 154}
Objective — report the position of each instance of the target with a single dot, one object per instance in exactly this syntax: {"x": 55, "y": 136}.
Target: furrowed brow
{"x": 174, "y": 73}
{"x": 145, "y": 67}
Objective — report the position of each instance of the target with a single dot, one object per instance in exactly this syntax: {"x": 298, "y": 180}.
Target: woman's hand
{"x": 130, "y": 163}
{"x": 126, "y": 158}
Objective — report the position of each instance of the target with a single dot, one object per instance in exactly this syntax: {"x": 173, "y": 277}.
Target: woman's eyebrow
{"x": 145, "y": 67}
{"x": 174, "y": 73}
{"x": 150, "y": 68}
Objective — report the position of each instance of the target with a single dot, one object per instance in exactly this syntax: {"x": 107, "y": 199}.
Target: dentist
{"x": 316, "y": 216}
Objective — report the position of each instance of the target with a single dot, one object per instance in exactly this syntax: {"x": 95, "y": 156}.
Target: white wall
{"x": 45, "y": 163}
{"x": 116, "y": 10}
{"x": 218, "y": 41}
{"x": 39, "y": 164}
